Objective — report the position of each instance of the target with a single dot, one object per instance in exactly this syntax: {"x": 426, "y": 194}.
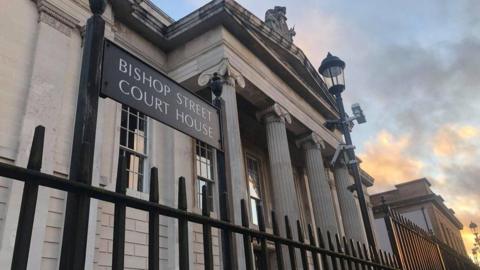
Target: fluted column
{"x": 352, "y": 220}
{"x": 284, "y": 198}
{"x": 235, "y": 169}
{"x": 322, "y": 201}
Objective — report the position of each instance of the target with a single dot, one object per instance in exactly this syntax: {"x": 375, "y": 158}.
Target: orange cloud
{"x": 455, "y": 140}
{"x": 386, "y": 159}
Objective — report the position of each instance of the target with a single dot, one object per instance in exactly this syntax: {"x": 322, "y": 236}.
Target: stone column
{"x": 322, "y": 201}
{"x": 352, "y": 220}
{"x": 284, "y": 198}
{"x": 235, "y": 170}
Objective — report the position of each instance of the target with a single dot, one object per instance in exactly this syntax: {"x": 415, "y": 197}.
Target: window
{"x": 204, "y": 165}
{"x": 253, "y": 175}
{"x": 133, "y": 142}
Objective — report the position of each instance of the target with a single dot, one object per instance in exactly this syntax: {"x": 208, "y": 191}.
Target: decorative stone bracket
{"x": 223, "y": 69}
{"x": 312, "y": 140}
{"x": 274, "y": 113}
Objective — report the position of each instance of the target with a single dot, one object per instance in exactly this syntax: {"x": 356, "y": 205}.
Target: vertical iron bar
{"x": 407, "y": 263}
{"x": 183, "y": 226}
{"x": 313, "y": 242}
{"x": 263, "y": 242}
{"x": 367, "y": 256}
{"x": 247, "y": 241}
{"x": 75, "y": 230}
{"x": 154, "y": 225}
{"x": 360, "y": 255}
{"x": 347, "y": 251}
{"x": 303, "y": 252}
{"x": 322, "y": 245}
{"x": 291, "y": 249}
{"x": 118, "y": 253}
{"x": 29, "y": 203}
{"x": 374, "y": 256}
{"x": 357, "y": 266}
{"x": 330, "y": 246}
{"x": 278, "y": 246}
{"x": 391, "y": 233}
{"x": 207, "y": 231}
{"x": 340, "y": 251}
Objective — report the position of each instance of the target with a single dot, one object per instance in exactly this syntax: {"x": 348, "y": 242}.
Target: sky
{"x": 414, "y": 66}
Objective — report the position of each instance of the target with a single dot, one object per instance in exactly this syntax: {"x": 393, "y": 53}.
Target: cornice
{"x": 50, "y": 14}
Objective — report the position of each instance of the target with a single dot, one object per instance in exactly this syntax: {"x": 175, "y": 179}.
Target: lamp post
{"x": 331, "y": 70}
{"x": 476, "y": 244}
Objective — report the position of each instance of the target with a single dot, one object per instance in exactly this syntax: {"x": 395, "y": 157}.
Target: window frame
{"x": 261, "y": 185}
{"x": 144, "y": 181}
{"x": 199, "y": 178}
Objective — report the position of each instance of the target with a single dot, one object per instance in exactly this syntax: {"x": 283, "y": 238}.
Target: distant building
{"x": 417, "y": 202}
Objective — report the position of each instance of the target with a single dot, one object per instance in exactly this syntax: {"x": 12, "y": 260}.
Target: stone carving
{"x": 312, "y": 140}
{"x": 223, "y": 69}
{"x": 275, "y": 18}
{"x": 56, "y": 18}
{"x": 274, "y": 113}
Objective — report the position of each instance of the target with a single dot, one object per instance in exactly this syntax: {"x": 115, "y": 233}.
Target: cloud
{"x": 387, "y": 160}
{"x": 456, "y": 141}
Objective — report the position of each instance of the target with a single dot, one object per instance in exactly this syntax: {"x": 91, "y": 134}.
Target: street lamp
{"x": 332, "y": 71}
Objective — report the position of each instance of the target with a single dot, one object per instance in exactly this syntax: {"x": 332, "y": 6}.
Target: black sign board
{"x": 130, "y": 81}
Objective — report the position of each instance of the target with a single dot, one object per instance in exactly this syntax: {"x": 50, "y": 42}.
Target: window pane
{"x": 132, "y": 137}
{"x": 253, "y": 205}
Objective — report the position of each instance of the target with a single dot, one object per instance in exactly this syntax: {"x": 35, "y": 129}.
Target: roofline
{"x": 159, "y": 11}
{"x": 423, "y": 179}
{"x": 233, "y": 17}
{"x": 434, "y": 198}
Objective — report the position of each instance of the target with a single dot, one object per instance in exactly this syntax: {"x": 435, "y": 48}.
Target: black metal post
{"x": 29, "y": 203}
{"x": 263, "y": 242}
{"x": 183, "y": 226}
{"x": 247, "y": 240}
{"x": 207, "y": 231}
{"x": 154, "y": 225}
{"x": 353, "y": 165}
{"x": 81, "y": 164}
{"x": 118, "y": 254}
{"x": 278, "y": 246}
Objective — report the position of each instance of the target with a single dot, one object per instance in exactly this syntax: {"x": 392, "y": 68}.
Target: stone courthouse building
{"x": 278, "y": 148}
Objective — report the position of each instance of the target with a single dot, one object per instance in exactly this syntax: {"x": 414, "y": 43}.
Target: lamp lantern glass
{"x": 474, "y": 228}
{"x": 331, "y": 70}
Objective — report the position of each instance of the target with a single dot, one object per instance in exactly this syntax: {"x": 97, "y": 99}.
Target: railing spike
{"x": 26, "y": 217}
{"x": 278, "y": 246}
{"x": 247, "y": 241}
{"x": 183, "y": 226}
{"x": 153, "y": 224}
{"x": 303, "y": 252}
{"x": 313, "y": 242}
{"x": 207, "y": 231}
{"x": 291, "y": 249}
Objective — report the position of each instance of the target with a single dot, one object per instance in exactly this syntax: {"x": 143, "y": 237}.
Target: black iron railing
{"x": 417, "y": 249}
{"x": 320, "y": 251}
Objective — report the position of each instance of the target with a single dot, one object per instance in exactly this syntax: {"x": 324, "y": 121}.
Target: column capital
{"x": 274, "y": 113}
{"x": 225, "y": 70}
{"x": 311, "y": 140}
